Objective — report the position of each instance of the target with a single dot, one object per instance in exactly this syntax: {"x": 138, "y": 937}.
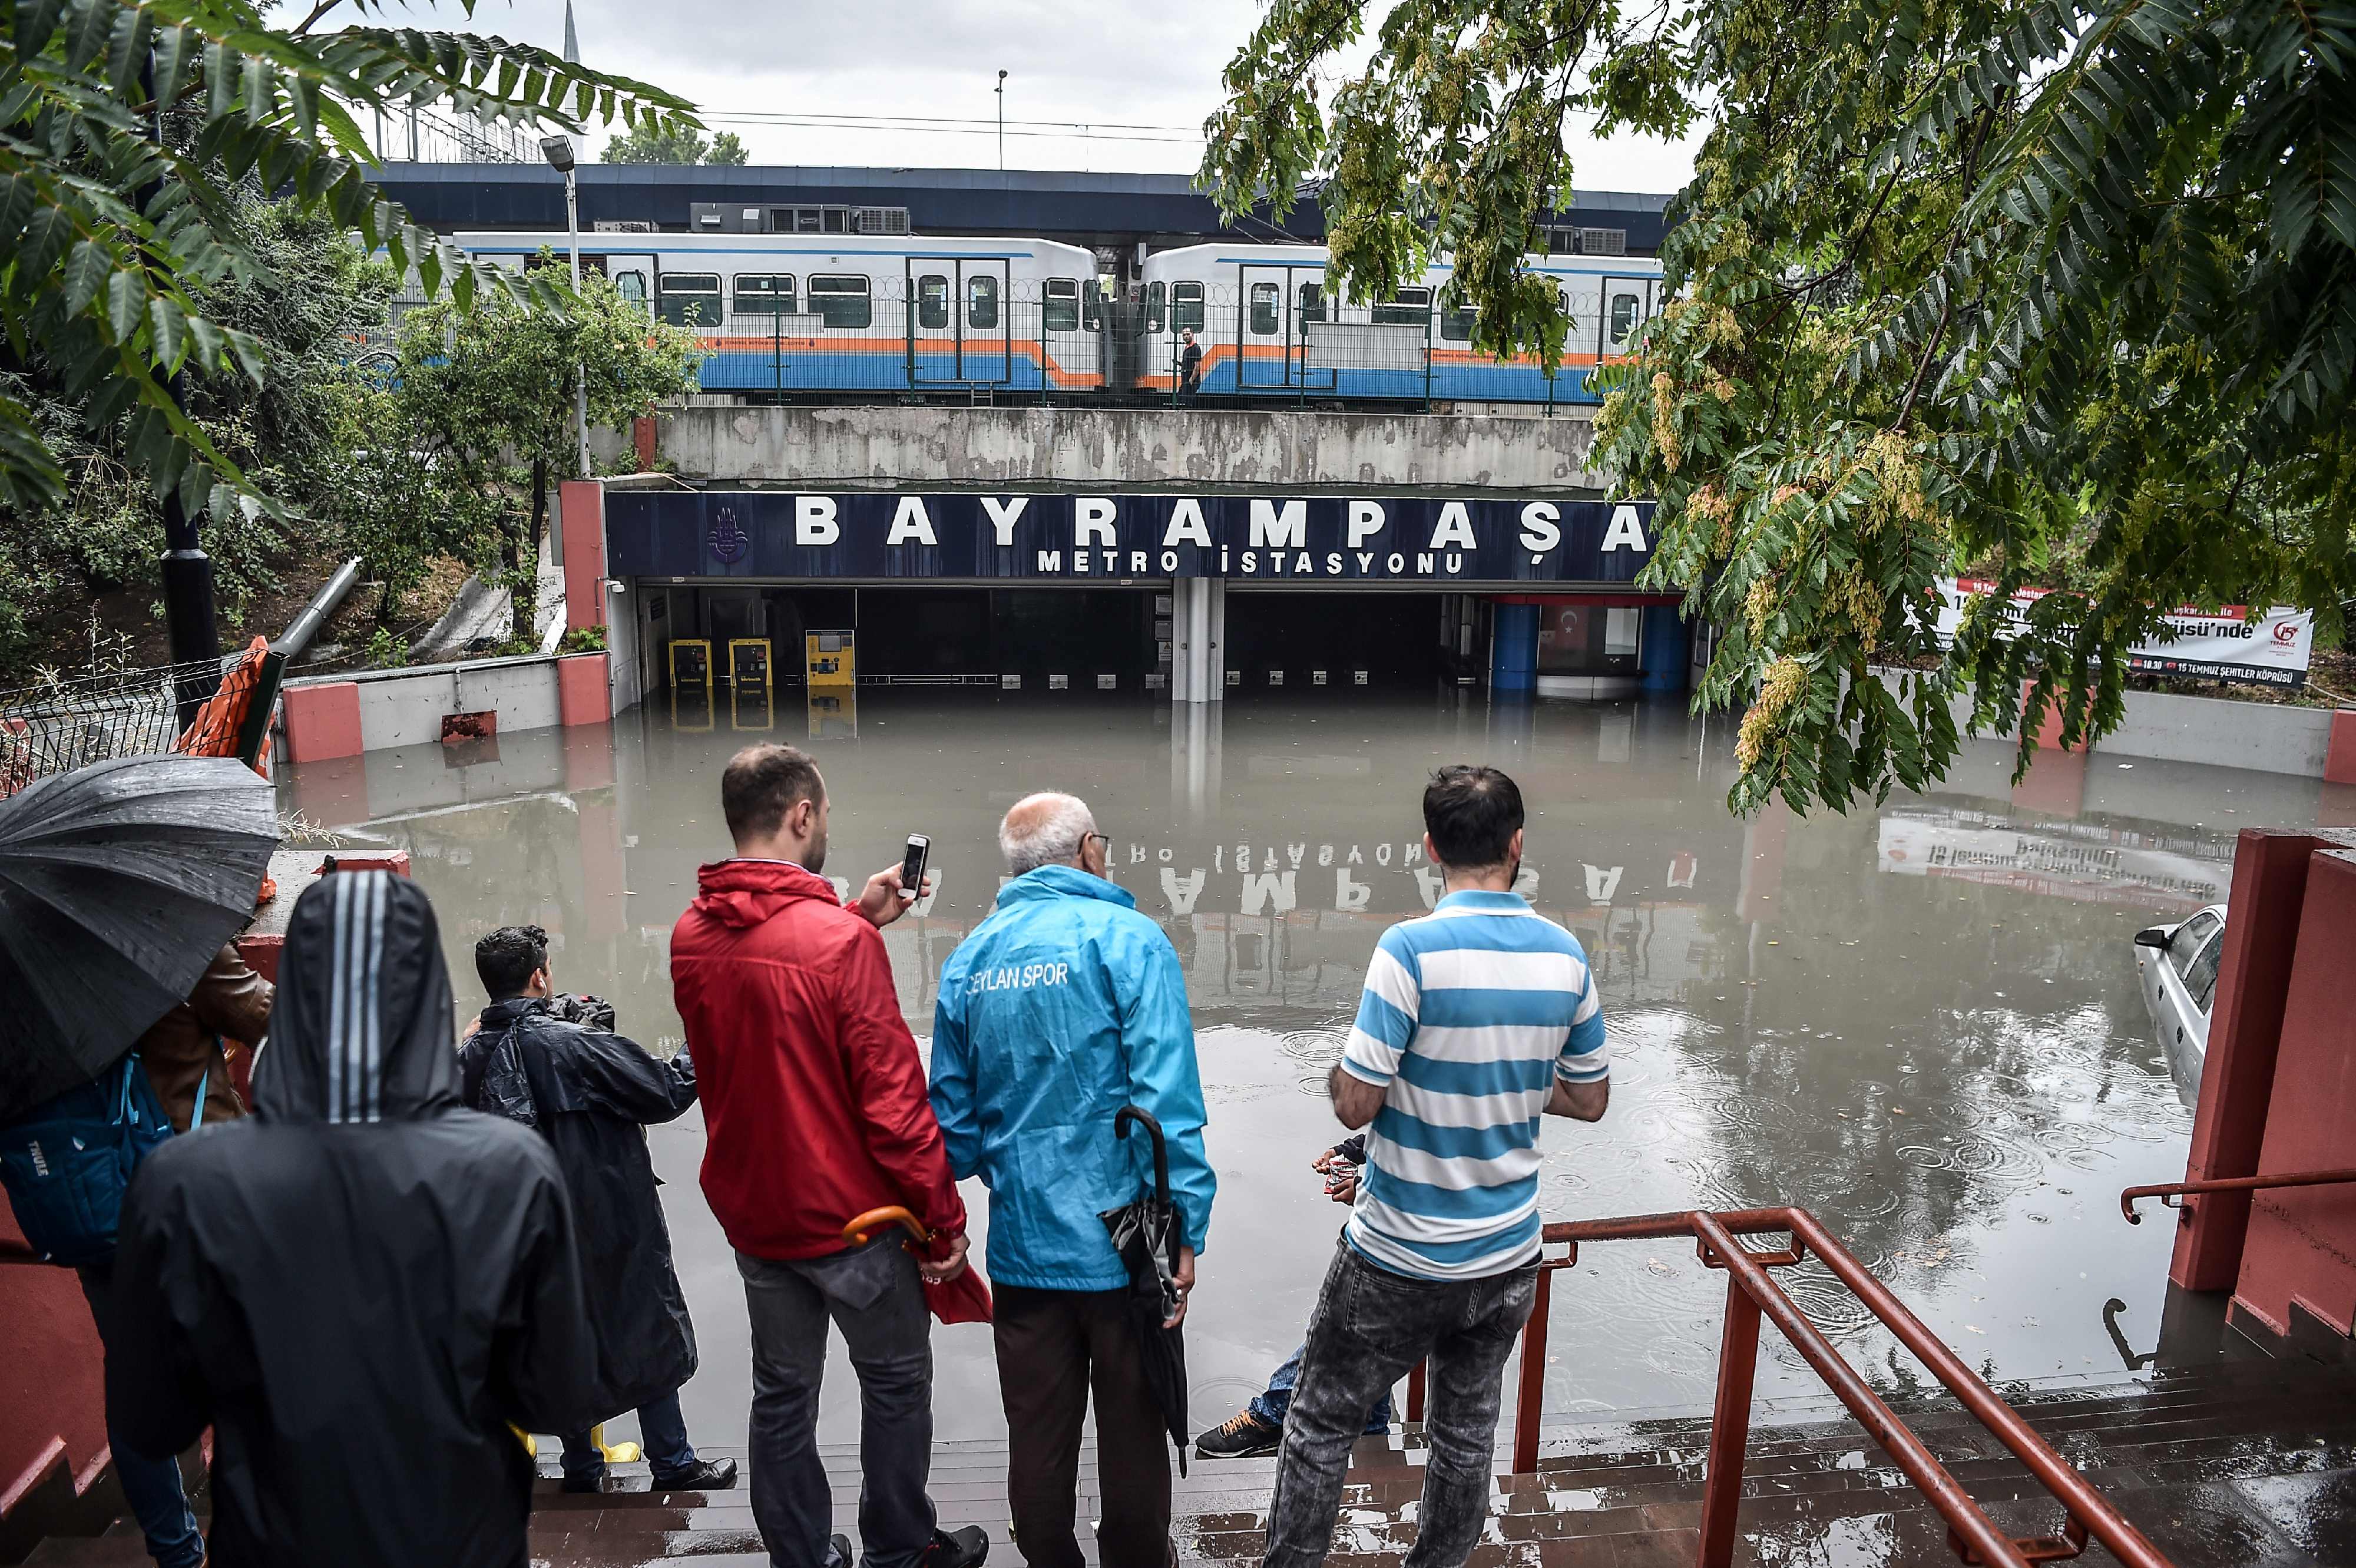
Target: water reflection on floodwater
{"x": 1919, "y": 1021}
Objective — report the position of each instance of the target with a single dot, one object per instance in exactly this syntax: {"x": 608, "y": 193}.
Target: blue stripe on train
{"x": 886, "y": 369}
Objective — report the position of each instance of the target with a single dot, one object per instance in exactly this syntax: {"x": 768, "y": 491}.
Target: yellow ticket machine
{"x": 691, "y": 663}
{"x": 748, "y": 663}
{"x": 829, "y": 659}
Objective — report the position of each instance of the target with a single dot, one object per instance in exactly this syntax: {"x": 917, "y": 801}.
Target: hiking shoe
{"x": 839, "y": 1551}
{"x": 596, "y": 1483}
{"x": 704, "y": 1475}
{"x": 956, "y": 1548}
{"x": 1245, "y": 1436}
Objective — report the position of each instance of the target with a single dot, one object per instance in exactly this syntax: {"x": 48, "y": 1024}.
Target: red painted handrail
{"x": 2181, "y": 1191}
{"x": 1751, "y": 1293}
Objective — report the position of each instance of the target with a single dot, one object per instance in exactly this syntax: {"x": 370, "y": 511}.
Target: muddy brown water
{"x": 1919, "y": 1020}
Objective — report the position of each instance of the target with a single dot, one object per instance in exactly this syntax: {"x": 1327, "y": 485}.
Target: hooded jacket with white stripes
{"x": 359, "y": 1286}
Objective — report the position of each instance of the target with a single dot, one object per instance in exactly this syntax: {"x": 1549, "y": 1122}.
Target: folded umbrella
{"x": 1146, "y": 1233}
{"x": 965, "y": 1299}
{"x": 118, "y": 883}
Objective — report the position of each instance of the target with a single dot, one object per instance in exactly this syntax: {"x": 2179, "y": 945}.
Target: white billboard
{"x": 2236, "y": 643}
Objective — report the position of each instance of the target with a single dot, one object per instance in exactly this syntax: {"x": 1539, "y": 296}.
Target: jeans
{"x": 874, "y": 1295}
{"x": 1370, "y": 1326}
{"x": 662, "y": 1434}
{"x": 1271, "y": 1404}
{"x": 152, "y": 1486}
{"x": 1058, "y": 1351}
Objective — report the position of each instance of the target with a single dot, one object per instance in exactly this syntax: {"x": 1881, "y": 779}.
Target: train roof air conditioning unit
{"x": 1603, "y": 242}
{"x": 622, "y": 226}
{"x": 879, "y": 219}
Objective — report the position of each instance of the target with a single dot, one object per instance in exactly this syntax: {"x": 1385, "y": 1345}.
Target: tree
{"x": 312, "y": 297}
{"x": 679, "y": 144}
{"x": 127, "y": 132}
{"x": 2062, "y": 295}
{"x": 486, "y": 398}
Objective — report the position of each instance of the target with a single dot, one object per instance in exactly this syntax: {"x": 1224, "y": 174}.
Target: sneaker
{"x": 596, "y": 1483}
{"x": 703, "y": 1475}
{"x": 839, "y": 1552}
{"x": 956, "y": 1548}
{"x": 1245, "y": 1436}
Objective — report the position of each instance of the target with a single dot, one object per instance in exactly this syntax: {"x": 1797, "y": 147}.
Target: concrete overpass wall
{"x": 1003, "y": 447}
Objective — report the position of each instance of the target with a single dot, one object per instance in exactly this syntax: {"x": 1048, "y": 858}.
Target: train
{"x": 848, "y": 316}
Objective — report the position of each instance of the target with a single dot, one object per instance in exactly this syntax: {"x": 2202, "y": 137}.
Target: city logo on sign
{"x": 728, "y": 539}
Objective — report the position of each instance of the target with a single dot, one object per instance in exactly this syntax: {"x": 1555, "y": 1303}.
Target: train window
{"x": 1185, "y": 306}
{"x": 841, "y": 301}
{"x": 1312, "y": 302}
{"x": 981, "y": 301}
{"x": 932, "y": 302}
{"x": 765, "y": 293}
{"x": 631, "y": 286}
{"x": 1627, "y": 313}
{"x": 1407, "y": 307}
{"x": 1091, "y": 306}
{"x": 1263, "y": 309}
{"x": 1153, "y": 292}
{"x": 1061, "y": 311}
{"x": 1456, "y": 324}
{"x": 690, "y": 299}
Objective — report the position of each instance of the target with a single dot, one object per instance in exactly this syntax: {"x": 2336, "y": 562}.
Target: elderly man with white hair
{"x": 1063, "y": 1006}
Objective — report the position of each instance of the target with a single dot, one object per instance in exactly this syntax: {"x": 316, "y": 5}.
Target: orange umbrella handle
{"x": 856, "y": 1233}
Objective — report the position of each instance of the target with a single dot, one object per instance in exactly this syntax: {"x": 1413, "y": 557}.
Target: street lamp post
{"x": 1000, "y": 91}
{"x": 558, "y": 151}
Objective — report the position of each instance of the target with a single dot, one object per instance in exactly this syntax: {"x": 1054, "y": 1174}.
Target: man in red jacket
{"x": 815, "y": 1111}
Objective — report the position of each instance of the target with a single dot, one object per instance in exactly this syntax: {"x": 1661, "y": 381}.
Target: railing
{"x": 2180, "y": 1195}
{"x": 1751, "y": 1292}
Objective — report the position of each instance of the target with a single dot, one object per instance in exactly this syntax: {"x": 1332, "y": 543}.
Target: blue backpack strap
{"x": 198, "y": 1120}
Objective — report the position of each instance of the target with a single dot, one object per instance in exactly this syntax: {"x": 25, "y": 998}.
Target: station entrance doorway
{"x": 1045, "y": 637}
{"x": 1290, "y": 638}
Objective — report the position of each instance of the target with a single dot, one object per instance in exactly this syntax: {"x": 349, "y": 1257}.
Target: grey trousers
{"x": 1370, "y": 1326}
{"x": 873, "y": 1294}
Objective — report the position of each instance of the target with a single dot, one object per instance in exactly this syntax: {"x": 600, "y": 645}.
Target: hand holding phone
{"x": 912, "y": 867}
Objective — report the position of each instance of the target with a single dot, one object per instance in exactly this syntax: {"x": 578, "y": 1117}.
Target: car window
{"x": 1312, "y": 302}
{"x": 1264, "y": 309}
{"x": 1407, "y": 307}
{"x": 690, "y": 299}
{"x": 1185, "y": 306}
{"x": 932, "y": 302}
{"x": 2201, "y": 980}
{"x": 841, "y": 301}
{"x": 2186, "y": 944}
{"x": 1061, "y": 311}
{"x": 981, "y": 303}
{"x": 1153, "y": 297}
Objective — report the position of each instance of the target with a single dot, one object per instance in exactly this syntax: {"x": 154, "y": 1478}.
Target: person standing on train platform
{"x": 1190, "y": 364}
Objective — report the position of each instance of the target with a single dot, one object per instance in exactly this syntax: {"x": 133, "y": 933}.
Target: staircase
{"x": 2243, "y": 1464}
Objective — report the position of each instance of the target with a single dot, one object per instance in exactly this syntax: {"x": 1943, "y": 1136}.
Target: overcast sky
{"x": 1149, "y": 71}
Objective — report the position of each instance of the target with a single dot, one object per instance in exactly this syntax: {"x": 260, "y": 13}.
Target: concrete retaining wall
{"x": 1294, "y": 449}
{"x": 378, "y": 710}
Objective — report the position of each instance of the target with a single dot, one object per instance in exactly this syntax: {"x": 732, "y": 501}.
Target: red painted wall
{"x": 2301, "y": 1245}
{"x": 52, "y": 1377}
{"x": 582, "y": 507}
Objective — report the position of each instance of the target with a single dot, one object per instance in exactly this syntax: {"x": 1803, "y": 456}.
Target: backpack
{"x": 67, "y": 1162}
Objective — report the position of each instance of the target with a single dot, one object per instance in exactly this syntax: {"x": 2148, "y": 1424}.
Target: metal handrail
{"x": 1751, "y": 1292}
{"x": 2176, "y": 1194}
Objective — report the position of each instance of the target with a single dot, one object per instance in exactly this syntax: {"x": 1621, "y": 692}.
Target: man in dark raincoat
{"x": 590, "y": 1091}
{"x": 359, "y": 1286}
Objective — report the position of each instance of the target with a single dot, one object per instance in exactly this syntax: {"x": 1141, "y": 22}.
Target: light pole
{"x": 1000, "y": 91}
{"x": 558, "y": 151}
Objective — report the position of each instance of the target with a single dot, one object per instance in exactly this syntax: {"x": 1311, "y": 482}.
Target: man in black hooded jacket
{"x": 590, "y": 1091}
{"x": 359, "y": 1286}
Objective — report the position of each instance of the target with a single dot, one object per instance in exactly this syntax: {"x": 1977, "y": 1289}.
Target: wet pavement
{"x": 1921, "y": 1020}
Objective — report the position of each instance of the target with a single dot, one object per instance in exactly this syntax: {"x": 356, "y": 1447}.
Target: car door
{"x": 2185, "y": 977}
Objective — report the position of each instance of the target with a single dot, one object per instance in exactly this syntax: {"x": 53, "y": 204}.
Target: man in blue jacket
{"x": 1063, "y": 1006}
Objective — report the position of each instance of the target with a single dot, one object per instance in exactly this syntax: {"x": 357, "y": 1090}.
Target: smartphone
{"x": 912, "y": 866}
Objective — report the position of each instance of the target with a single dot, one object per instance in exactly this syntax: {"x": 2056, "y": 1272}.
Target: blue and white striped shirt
{"x": 1469, "y": 1015}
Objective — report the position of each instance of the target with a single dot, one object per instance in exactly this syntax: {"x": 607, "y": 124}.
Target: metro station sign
{"x": 964, "y": 535}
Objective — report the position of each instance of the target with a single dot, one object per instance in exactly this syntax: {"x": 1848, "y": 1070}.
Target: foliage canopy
{"x": 673, "y": 145}
{"x": 129, "y": 132}
{"x": 2058, "y": 294}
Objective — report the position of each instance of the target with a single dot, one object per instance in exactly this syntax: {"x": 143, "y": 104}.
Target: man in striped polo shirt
{"x": 1476, "y": 1020}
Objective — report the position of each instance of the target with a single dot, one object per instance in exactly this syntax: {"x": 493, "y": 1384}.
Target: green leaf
{"x": 170, "y": 329}
{"x": 86, "y": 273}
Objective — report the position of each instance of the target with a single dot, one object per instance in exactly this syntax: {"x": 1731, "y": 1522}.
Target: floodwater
{"x": 1919, "y": 1021}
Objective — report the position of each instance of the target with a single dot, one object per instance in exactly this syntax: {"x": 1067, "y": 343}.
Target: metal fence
{"x": 65, "y": 721}
{"x": 854, "y": 335}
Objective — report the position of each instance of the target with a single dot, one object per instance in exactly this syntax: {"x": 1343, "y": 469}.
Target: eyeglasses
{"x": 1104, "y": 839}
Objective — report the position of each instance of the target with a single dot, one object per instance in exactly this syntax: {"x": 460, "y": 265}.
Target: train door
{"x": 958, "y": 309}
{"x": 1627, "y": 304}
{"x": 633, "y": 276}
{"x": 1268, "y": 327}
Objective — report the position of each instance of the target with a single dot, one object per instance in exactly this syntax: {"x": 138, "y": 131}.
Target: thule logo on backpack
{"x": 40, "y": 1161}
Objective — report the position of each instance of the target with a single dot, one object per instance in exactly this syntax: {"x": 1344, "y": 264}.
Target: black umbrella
{"x": 118, "y": 883}
{"x": 1146, "y": 1233}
